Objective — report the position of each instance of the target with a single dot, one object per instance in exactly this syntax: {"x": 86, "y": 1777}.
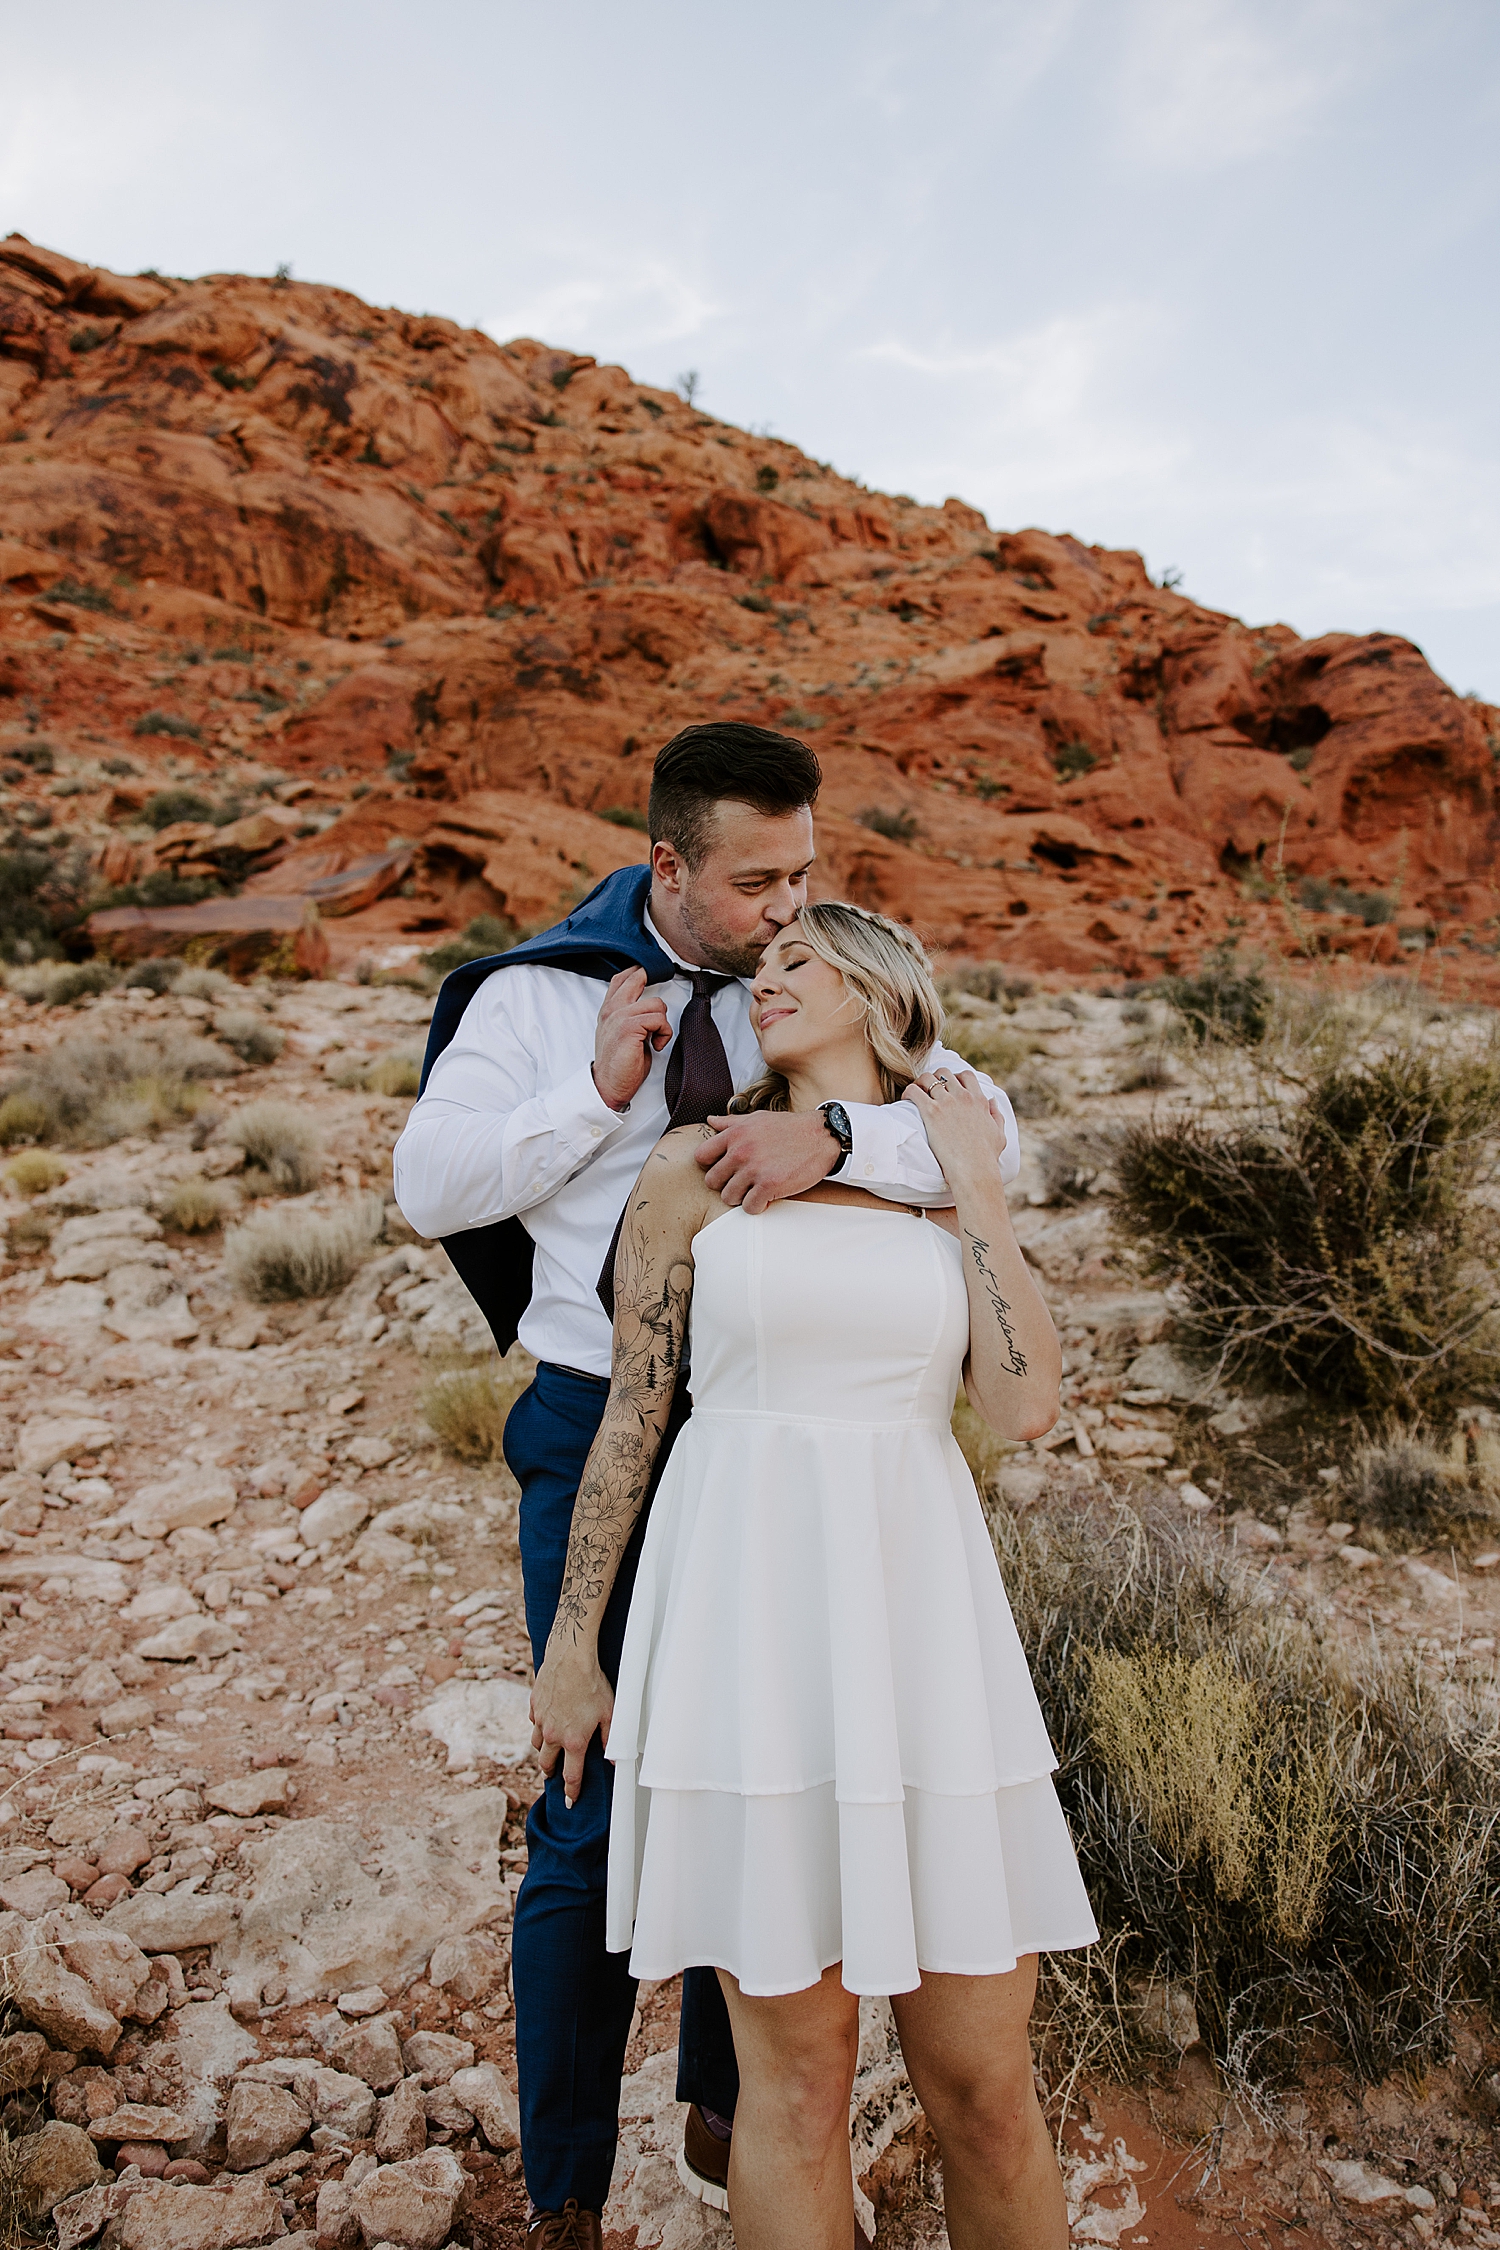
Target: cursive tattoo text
{"x": 979, "y": 1252}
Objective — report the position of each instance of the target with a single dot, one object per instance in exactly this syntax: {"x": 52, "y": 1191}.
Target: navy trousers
{"x": 574, "y": 2000}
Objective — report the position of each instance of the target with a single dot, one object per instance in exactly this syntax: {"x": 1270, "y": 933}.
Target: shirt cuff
{"x": 579, "y": 1114}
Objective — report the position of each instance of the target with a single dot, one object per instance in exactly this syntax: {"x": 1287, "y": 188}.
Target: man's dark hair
{"x": 703, "y": 765}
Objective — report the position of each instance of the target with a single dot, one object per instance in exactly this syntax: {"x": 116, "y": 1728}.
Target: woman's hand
{"x": 964, "y": 1129}
{"x": 571, "y": 1702}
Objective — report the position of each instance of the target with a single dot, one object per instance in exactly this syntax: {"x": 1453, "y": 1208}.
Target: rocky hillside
{"x": 447, "y": 596}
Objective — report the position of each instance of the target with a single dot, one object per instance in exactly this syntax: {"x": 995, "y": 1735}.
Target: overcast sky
{"x": 1216, "y": 279}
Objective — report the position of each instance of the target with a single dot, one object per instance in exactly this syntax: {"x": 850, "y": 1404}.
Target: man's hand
{"x": 630, "y": 1027}
{"x": 571, "y": 1702}
{"x": 760, "y": 1159}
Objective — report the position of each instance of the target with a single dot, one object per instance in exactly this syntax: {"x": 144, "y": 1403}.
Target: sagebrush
{"x": 277, "y": 1257}
{"x": 465, "y": 1407}
{"x": 1312, "y": 1847}
{"x": 281, "y": 1143}
{"x": 1346, "y": 1235}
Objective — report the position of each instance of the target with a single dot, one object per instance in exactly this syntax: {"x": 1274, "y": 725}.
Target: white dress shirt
{"x": 512, "y": 1125}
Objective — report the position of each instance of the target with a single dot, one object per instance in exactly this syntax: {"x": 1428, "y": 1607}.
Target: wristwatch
{"x": 836, "y": 1118}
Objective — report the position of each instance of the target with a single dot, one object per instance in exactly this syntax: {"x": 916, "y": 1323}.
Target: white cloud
{"x": 1207, "y": 83}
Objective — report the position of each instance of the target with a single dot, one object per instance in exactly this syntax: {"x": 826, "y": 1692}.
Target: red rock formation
{"x": 288, "y": 532}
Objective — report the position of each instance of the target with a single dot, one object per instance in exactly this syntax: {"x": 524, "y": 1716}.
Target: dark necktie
{"x": 699, "y": 1086}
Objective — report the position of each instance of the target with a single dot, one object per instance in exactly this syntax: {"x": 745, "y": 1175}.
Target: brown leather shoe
{"x": 567, "y": 2229}
{"x": 703, "y": 2162}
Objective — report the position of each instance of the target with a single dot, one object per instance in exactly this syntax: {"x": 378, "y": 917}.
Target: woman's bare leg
{"x": 790, "y": 2186}
{"x": 968, "y": 2053}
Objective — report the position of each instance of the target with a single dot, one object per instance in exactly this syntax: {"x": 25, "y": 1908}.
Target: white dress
{"x": 827, "y": 1745}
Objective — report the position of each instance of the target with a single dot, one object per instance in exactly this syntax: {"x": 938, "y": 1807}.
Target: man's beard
{"x": 731, "y": 956}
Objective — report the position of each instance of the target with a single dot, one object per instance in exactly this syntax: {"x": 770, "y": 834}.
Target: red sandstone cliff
{"x": 466, "y": 589}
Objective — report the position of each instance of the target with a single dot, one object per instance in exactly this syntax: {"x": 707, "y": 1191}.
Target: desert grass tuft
{"x": 35, "y": 1171}
{"x": 20, "y": 2219}
{"x": 281, "y": 1143}
{"x": 277, "y": 1257}
{"x": 249, "y": 1035}
{"x": 465, "y": 1406}
{"x": 1309, "y": 1844}
{"x": 23, "y": 1118}
{"x": 197, "y": 1206}
{"x": 394, "y": 1075}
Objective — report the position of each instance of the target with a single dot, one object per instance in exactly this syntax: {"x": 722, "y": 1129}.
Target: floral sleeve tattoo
{"x": 999, "y": 1305}
{"x": 651, "y": 1307}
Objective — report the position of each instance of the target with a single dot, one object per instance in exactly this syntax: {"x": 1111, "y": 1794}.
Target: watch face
{"x": 838, "y": 1119}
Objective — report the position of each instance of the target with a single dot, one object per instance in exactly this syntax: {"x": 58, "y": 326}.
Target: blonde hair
{"x": 886, "y": 971}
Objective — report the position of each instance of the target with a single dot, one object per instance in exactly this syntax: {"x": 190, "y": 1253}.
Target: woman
{"x": 833, "y": 1776}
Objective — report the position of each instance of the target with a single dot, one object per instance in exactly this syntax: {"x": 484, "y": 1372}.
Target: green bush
{"x": 1343, "y": 1238}
{"x": 23, "y": 1118}
{"x": 1225, "y": 1000}
{"x": 164, "y": 722}
{"x": 624, "y": 816}
{"x": 1072, "y": 760}
{"x": 155, "y": 976}
{"x": 165, "y": 807}
{"x": 41, "y": 894}
{"x": 62, "y": 984}
{"x": 197, "y": 1206}
{"x": 899, "y": 827}
{"x": 394, "y": 1075}
{"x": 93, "y": 1091}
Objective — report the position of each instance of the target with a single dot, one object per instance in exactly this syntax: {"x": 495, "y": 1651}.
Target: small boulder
{"x": 261, "y": 2123}
{"x": 251, "y": 1793}
{"x": 166, "y": 2215}
{"x": 141, "y": 2121}
{"x": 112, "y": 1965}
{"x": 193, "y": 1496}
{"x": 369, "y": 1452}
{"x": 334, "y": 1516}
{"x": 370, "y": 2050}
{"x": 173, "y": 1923}
{"x": 50, "y": 1996}
{"x": 433, "y": 2056}
{"x": 128, "y": 1716}
{"x": 467, "y": 1967}
{"x": 185, "y": 1638}
{"x": 53, "y": 2164}
{"x": 486, "y": 2093}
{"x": 337, "y": 2100}
{"x": 162, "y": 1602}
{"x": 401, "y": 2127}
{"x": 49, "y": 1438}
{"x": 36, "y": 1892}
{"x": 413, "y": 2204}
{"x": 123, "y": 1851}
{"x": 338, "y": 2226}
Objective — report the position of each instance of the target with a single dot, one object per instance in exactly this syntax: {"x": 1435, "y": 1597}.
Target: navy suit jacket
{"x": 604, "y": 935}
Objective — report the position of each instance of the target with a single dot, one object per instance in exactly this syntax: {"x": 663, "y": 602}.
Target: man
{"x": 552, "y": 1072}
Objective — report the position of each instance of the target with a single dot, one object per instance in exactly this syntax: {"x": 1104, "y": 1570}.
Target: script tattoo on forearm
{"x": 979, "y": 1252}
{"x": 651, "y": 1319}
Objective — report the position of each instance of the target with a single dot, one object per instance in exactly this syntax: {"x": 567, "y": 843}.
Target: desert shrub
{"x": 1402, "y": 1492}
{"x": 197, "y": 1206}
{"x": 899, "y": 825}
{"x": 1226, "y": 999}
{"x": 1147, "y": 1073}
{"x": 486, "y": 934}
{"x": 280, "y": 1142}
{"x": 62, "y": 984}
{"x": 155, "y": 976}
{"x": 23, "y": 1118}
{"x": 203, "y": 984}
{"x": 91, "y": 1091}
{"x": 279, "y": 1256}
{"x": 41, "y": 894}
{"x": 465, "y": 1407}
{"x": 27, "y": 1232}
{"x": 1072, "y": 760}
{"x": 35, "y": 1172}
{"x": 986, "y": 980}
{"x": 1341, "y": 1237}
{"x": 250, "y": 1036}
{"x": 394, "y": 1075}
{"x": 167, "y": 722}
{"x": 1314, "y": 1850}
{"x": 623, "y": 816}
